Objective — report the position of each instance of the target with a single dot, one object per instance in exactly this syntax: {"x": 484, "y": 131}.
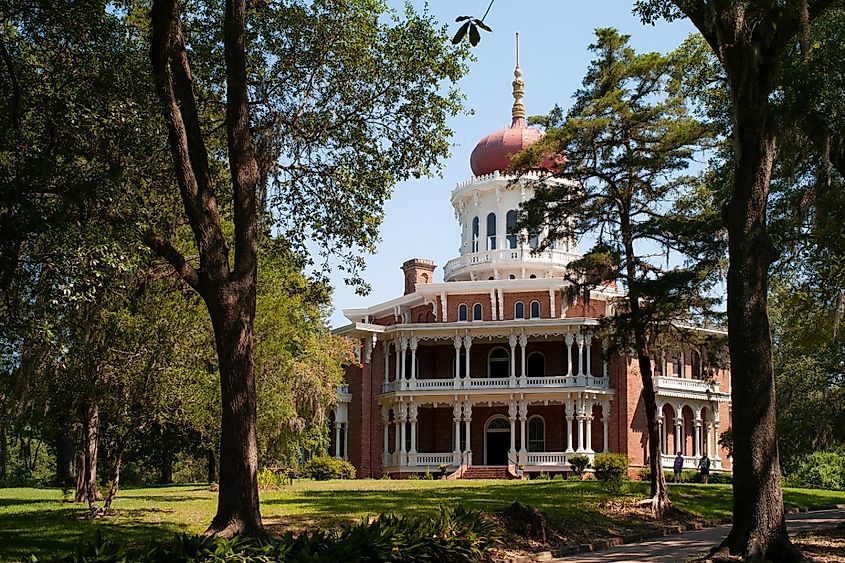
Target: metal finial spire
{"x": 518, "y": 111}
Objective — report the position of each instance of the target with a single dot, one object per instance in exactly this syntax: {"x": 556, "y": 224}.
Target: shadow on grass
{"x": 56, "y": 531}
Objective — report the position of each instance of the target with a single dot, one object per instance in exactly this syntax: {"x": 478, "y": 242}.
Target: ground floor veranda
{"x": 538, "y": 435}
{"x": 532, "y": 434}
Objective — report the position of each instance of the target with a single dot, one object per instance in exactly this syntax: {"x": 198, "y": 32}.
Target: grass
{"x": 38, "y": 521}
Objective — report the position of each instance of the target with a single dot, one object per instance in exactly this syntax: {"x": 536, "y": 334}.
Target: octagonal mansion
{"x": 495, "y": 370}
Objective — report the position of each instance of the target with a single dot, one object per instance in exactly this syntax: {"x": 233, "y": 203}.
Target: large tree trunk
{"x": 238, "y": 510}
{"x": 65, "y": 454}
{"x": 229, "y": 293}
{"x": 3, "y": 451}
{"x": 759, "y": 528}
{"x": 86, "y": 482}
{"x": 166, "y": 468}
{"x": 659, "y": 493}
{"x": 211, "y": 466}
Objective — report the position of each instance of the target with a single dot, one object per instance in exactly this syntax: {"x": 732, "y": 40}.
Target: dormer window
{"x": 462, "y": 312}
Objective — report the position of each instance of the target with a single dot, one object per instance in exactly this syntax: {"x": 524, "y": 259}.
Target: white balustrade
{"x": 680, "y": 384}
{"x": 553, "y": 257}
{"x": 548, "y": 381}
{"x": 435, "y": 458}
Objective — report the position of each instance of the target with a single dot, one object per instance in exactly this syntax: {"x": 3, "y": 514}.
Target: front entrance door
{"x": 498, "y": 444}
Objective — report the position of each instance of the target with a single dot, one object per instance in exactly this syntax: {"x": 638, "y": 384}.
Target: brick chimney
{"x": 417, "y": 271}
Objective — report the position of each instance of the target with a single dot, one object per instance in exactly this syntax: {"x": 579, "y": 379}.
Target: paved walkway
{"x": 681, "y": 547}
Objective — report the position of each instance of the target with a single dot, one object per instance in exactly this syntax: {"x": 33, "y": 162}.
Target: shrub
{"x": 819, "y": 470}
{"x": 543, "y": 476}
{"x": 453, "y": 535}
{"x": 721, "y": 478}
{"x": 323, "y": 468}
{"x": 579, "y": 463}
{"x": 413, "y": 477}
{"x": 611, "y": 470}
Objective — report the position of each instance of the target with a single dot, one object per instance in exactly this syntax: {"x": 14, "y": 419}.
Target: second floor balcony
{"x": 493, "y": 383}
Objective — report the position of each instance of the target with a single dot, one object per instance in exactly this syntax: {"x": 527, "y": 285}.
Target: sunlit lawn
{"x": 37, "y": 521}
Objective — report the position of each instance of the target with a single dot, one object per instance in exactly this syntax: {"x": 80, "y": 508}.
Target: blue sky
{"x": 554, "y": 37}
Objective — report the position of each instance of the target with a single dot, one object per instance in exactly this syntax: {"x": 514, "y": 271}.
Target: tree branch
{"x": 243, "y": 164}
{"x": 175, "y": 258}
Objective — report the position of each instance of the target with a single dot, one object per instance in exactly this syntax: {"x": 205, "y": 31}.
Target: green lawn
{"x": 37, "y": 521}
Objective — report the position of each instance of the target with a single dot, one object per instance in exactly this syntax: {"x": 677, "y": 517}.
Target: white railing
{"x": 435, "y": 459}
{"x": 549, "y": 381}
{"x": 488, "y": 383}
{"x": 689, "y": 385}
{"x": 534, "y": 175}
{"x": 523, "y": 255}
{"x": 690, "y": 462}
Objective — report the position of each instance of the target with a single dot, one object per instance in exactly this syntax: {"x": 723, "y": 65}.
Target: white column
{"x": 523, "y": 417}
{"x": 468, "y": 422}
{"x": 717, "y": 455}
{"x": 512, "y": 412}
{"x": 386, "y": 349}
{"x": 385, "y": 422}
{"x": 570, "y": 410}
{"x": 346, "y": 441}
{"x": 337, "y": 440}
{"x": 588, "y": 432}
{"x": 707, "y": 435}
{"x": 569, "y": 341}
{"x": 661, "y": 430}
{"x": 413, "y": 344}
{"x": 494, "y": 310}
{"x": 456, "y": 417}
{"x": 551, "y": 303}
{"x": 403, "y": 364}
{"x": 605, "y": 419}
{"x": 443, "y": 307}
{"x": 581, "y": 416}
{"x": 523, "y": 342}
{"x": 696, "y": 439}
{"x": 396, "y": 347}
{"x": 403, "y": 419}
{"x": 512, "y": 341}
{"x": 588, "y": 340}
{"x": 579, "y": 339}
{"x": 412, "y": 414}
{"x": 457, "y": 341}
{"x": 467, "y": 346}
{"x": 604, "y": 346}
{"x": 679, "y": 445}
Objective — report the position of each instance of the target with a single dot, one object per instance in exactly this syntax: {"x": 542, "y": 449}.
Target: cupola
{"x": 494, "y": 151}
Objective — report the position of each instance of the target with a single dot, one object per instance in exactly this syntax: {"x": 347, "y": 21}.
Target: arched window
{"x": 519, "y": 310}
{"x": 491, "y": 231}
{"x": 510, "y": 220}
{"x": 536, "y": 434}
{"x": 477, "y": 312}
{"x": 532, "y": 276}
{"x": 536, "y": 364}
{"x": 535, "y": 309}
{"x": 511, "y": 277}
{"x": 534, "y": 239}
{"x": 497, "y": 362}
{"x": 462, "y": 312}
{"x": 499, "y": 423}
{"x": 475, "y": 224}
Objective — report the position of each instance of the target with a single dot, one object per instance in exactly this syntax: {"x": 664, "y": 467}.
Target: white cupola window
{"x": 475, "y": 234}
{"x": 511, "y": 228}
{"x": 491, "y": 231}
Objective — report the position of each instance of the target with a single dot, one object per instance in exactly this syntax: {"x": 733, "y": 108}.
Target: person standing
{"x": 678, "y": 466}
{"x": 704, "y": 468}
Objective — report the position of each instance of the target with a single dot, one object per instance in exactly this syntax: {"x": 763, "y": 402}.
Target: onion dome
{"x": 494, "y": 151}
